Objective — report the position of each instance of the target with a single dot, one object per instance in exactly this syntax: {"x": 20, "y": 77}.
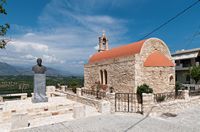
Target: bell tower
{"x": 103, "y": 43}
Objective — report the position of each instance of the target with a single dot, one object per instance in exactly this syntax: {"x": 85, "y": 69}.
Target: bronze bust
{"x": 39, "y": 68}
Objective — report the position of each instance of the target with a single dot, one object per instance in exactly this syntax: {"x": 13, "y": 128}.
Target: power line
{"x": 195, "y": 34}
{"x": 171, "y": 19}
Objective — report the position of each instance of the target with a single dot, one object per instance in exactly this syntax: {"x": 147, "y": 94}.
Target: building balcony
{"x": 181, "y": 67}
{"x": 185, "y": 67}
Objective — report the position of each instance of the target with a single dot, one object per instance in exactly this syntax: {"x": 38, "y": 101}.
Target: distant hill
{"x": 7, "y": 69}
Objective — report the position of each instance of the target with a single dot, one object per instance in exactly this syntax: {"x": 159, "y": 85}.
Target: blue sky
{"x": 65, "y": 32}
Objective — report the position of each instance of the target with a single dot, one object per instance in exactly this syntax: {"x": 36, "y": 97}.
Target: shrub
{"x": 74, "y": 89}
{"x": 195, "y": 73}
{"x": 160, "y": 98}
{"x": 177, "y": 87}
{"x": 144, "y": 89}
{"x": 111, "y": 89}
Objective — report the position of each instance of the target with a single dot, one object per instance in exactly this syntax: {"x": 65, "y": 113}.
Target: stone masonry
{"x": 120, "y": 74}
{"x": 125, "y": 73}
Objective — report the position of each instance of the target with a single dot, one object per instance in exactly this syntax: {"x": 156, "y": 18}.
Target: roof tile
{"x": 124, "y": 50}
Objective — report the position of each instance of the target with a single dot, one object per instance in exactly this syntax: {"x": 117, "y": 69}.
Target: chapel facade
{"x": 126, "y": 67}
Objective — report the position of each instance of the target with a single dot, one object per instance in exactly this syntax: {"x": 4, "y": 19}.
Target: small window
{"x": 101, "y": 76}
{"x": 171, "y": 80}
{"x": 106, "y": 76}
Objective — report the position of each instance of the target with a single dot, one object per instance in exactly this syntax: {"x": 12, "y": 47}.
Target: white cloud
{"x": 68, "y": 34}
{"x": 96, "y": 47}
{"x": 26, "y": 46}
{"x": 51, "y": 59}
{"x": 29, "y": 34}
{"x": 100, "y": 19}
{"x": 29, "y": 57}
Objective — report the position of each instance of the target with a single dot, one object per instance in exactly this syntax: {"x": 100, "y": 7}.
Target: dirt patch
{"x": 166, "y": 115}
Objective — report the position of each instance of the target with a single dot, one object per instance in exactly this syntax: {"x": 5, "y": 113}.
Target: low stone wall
{"x": 50, "y": 90}
{"x": 87, "y": 101}
{"x": 173, "y": 106}
{"x": 22, "y": 96}
{"x": 192, "y": 86}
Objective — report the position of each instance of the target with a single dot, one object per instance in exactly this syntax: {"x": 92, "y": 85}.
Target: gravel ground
{"x": 186, "y": 121}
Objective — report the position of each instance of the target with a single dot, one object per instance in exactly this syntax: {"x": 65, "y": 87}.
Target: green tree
{"x": 195, "y": 73}
{"x": 3, "y": 27}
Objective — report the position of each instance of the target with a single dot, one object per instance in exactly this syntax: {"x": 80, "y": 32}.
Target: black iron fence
{"x": 167, "y": 96}
{"x": 96, "y": 94}
{"x": 194, "y": 92}
{"x": 70, "y": 90}
{"x": 128, "y": 102}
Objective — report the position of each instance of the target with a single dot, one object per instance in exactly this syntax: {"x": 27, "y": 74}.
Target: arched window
{"x": 101, "y": 76}
{"x": 106, "y": 76}
{"x": 171, "y": 80}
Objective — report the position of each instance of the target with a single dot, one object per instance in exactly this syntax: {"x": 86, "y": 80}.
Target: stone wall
{"x": 87, "y": 101}
{"x": 173, "y": 106}
{"x": 120, "y": 73}
{"x": 126, "y": 73}
{"x": 154, "y": 44}
{"x": 157, "y": 78}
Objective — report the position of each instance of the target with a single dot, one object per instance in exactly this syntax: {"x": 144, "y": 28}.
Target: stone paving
{"x": 58, "y": 109}
{"x": 186, "y": 121}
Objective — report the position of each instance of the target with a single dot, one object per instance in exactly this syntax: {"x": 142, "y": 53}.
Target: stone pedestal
{"x": 148, "y": 102}
{"x": 111, "y": 98}
{"x": 39, "y": 88}
{"x": 50, "y": 90}
{"x": 78, "y": 92}
{"x": 62, "y": 88}
{"x": 105, "y": 107}
{"x": 19, "y": 121}
{"x": 79, "y": 111}
{"x": 23, "y": 97}
{"x": 185, "y": 94}
{"x": 1, "y": 99}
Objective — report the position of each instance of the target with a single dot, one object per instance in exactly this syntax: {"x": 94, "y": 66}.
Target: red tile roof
{"x": 157, "y": 59}
{"x": 125, "y": 50}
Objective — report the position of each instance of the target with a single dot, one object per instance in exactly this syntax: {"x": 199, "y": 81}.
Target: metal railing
{"x": 70, "y": 90}
{"x": 160, "y": 97}
{"x": 128, "y": 102}
{"x": 96, "y": 94}
{"x": 194, "y": 92}
{"x": 192, "y": 86}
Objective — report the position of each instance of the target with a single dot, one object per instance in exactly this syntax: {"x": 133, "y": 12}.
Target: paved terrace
{"x": 185, "y": 121}
{"x": 60, "y": 109}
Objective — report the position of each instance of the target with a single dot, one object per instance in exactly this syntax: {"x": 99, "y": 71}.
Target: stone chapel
{"x": 125, "y": 67}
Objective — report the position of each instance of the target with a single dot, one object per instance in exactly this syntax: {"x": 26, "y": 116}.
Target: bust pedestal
{"x": 39, "y": 88}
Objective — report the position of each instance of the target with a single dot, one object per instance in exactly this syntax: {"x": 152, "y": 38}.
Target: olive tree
{"x": 195, "y": 73}
{"x": 3, "y": 27}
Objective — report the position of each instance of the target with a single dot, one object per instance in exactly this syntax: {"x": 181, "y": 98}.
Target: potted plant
{"x": 111, "y": 89}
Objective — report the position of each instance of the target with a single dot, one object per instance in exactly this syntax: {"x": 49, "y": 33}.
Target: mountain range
{"x": 7, "y": 69}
